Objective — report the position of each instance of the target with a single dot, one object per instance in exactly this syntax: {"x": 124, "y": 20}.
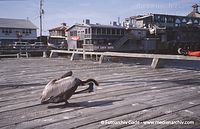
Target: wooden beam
{"x": 9, "y": 55}
{"x": 156, "y": 62}
{"x": 161, "y": 56}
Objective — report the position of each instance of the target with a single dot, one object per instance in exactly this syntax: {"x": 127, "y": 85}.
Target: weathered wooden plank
{"x": 147, "y": 97}
{"x": 146, "y": 114}
{"x": 103, "y": 79}
{"x": 103, "y": 115}
{"x": 151, "y": 88}
{"x": 132, "y": 73}
{"x": 172, "y": 117}
{"x": 80, "y": 98}
{"x": 139, "y": 89}
{"x": 25, "y": 101}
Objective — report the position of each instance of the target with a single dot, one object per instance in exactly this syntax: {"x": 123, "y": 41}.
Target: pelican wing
{"x": 57, "y": 87}
{"x": 66, "y": 74}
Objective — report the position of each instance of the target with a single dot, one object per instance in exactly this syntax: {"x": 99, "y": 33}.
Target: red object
{"x": 75, "y": 37}
{"x": 194, "y": 53}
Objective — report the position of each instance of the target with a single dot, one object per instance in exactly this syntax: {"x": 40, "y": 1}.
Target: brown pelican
{"x": 61, "y": 89}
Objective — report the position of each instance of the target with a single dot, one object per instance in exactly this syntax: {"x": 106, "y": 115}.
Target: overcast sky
{"x": 98, "y": 11}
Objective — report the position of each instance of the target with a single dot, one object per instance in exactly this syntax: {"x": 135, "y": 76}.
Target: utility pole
{"x": 41, "y": 13}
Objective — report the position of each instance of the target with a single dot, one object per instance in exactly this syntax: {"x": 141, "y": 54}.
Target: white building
{"x": 12, "y": 30}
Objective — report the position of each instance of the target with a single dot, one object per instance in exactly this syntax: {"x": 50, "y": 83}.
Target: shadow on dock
{"x": 86, "y": 104}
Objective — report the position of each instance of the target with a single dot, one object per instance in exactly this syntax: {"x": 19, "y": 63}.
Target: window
{"x": 94, "y": 30}
{"x": 157, "y": 18}
{"x": 118, "y": 31}
{"x": 108, "y": 31}
{"x": 104, "y": 31}
{"x": 113, "y": 31}
{"x": 122, "y": 32}
{"x": 184, "y": 20}
{"x": 196, "y": 21}
{"x": 178, "y": 21}
{"x": 170, "y": 19}
{"x": 98, "y": 31}
{"x": 10, "y": 30}
{"x": 166, "y": 19}
{"x": 162, "y": 19}
{"x": 86, "y": 31}
{"x": 26, "y": 31}
{"x": 73, "y": 33}
{"x": 190, "y": 21}
{"x": 7, "y": 31}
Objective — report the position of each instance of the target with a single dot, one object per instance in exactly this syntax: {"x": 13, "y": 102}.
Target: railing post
{"x": 51, "y": 54}
{"x": 72, "y": 57}
{"x": 156, "y": 63}
{"x": 101, "y": 59}
{"x": 18, "y": 55}
{"x": 26, "y": 54}
{"x": 44, "y": 54}
{"x": 84, "y": 56}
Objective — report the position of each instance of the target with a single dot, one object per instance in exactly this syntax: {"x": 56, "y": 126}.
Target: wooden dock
{"x": 127, "y": 93}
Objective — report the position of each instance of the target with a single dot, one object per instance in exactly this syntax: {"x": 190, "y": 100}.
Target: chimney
{"x": 195, "y": 8}
{"x": 119, "y": 21}
{"x": 87, "y": 21}
{"x": 114, "y": 23}
{"x": 63, "y": 24}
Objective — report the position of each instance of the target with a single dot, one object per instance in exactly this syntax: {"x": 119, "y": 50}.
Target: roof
{"x": 194, "y": 14}
{"x": 105, "y": 26}
{"x": 80, "y": 25}
{"x": 96, "y": 25}
{"x": 59, "y": 28}
{"x": 138, "y": 16}
{"x": 145, "y": 16}
{"x": 16, "y": 23}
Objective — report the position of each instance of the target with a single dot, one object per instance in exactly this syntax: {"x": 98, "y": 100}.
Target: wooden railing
{"x": 156, "y": 58}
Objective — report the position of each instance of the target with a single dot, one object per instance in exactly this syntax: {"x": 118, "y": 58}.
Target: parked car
{"x": 61, "y": 45}
{"x": 22, "y": 45}
{"x": 39, "y": 45}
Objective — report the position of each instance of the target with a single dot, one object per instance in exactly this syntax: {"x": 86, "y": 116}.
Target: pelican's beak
{"x": 92, "y": 88}
{"x": 43, "y": 101}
